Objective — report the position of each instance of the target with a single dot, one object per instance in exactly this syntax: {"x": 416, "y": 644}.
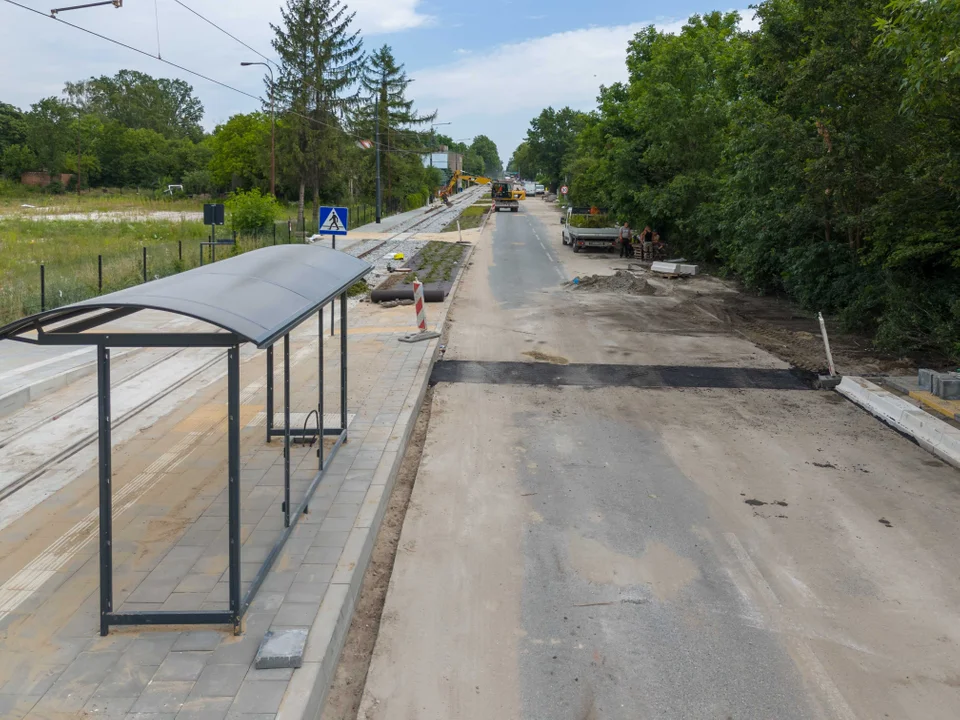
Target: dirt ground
{"x": 347, "y": 688}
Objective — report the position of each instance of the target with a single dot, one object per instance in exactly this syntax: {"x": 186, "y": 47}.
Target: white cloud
{"x": 386, "y": 16}
{"x": 485, "y": 92}
{"x": 68, "y": 54}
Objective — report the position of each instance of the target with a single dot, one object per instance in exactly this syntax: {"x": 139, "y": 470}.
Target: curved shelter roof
{"x": 258, "y": 296}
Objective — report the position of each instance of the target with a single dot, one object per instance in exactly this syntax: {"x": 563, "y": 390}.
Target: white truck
{"x": 596, "y": 235}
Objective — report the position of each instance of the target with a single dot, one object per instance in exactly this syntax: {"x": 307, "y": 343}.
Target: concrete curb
{"x": 308, "y": 688}
{"x": 17, "y": 399}
{"x": 932, "y": 434}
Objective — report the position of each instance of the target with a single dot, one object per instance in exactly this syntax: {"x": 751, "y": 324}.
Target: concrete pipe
{"x": 387, "y": 295}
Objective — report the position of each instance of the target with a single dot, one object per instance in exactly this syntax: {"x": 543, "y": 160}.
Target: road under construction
{"x": 623, "y": 503}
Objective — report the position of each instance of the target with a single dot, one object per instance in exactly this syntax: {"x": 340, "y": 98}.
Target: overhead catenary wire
{"x": 225, "y": 32}
{"x": 195, "y": 73}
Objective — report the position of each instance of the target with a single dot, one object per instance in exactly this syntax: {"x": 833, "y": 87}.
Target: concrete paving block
{"x": 296, "y": 614}
{"x": 163, "y": 697}
{"x": 950, "y": 387}
{"x": 220, "y": 681}
{"x": 198, "y": 640}
{"x": 925, "y": 379}
{"x": 182, "y": 666}
{"x": 689, "y": 269}
{"x": 205, "y": 709}
{"x": 666, "y": 268}
{"x": 282, "y": 649}
{"x": 260, "y": 696}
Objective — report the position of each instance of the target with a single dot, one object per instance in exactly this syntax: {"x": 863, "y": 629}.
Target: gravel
{"x": 622, "y": 281}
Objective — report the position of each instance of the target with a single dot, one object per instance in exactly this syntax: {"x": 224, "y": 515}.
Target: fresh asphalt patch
{"x": 602, "y": 375}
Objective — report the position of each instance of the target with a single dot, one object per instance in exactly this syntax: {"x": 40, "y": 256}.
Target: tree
{"x": 321, "y": 60}
{"x": 141, "y": 102}
{"x": 48, "y": 132}
{"x": 473, "y": 163}
{"x": 487, "y": 149}
{"x": 522, "y": 162}
{"x": 385, "y": 83}
{"x": 241, "y": 152}
{"x": 551, "y": 139}
{"x": 16, "y": 160}
{"x": 13, "y": 126}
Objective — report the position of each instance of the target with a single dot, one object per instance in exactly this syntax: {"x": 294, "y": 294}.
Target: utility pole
{"x": 78, "y": 158}
{"x": 273, "y": 130}
{"x": 377, "y": 111}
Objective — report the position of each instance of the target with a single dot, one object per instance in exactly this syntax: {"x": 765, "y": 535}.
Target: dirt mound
{"x": 621, "y": 282}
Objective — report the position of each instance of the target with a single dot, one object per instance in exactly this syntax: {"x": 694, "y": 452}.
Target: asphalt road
{"x": 690, "y": 550}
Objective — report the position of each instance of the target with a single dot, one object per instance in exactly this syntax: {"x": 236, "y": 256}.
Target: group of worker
{"x": 648, "y": 240}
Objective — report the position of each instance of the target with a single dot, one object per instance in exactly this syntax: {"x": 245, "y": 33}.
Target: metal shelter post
{"x": 286, "y": 430}
{"x": 320, "y": 387}
{"x": 269, "y": 392}
{"x": 106, "y": 491}
{"x": 233, "y": 471}
{"x": 343, "y": 364}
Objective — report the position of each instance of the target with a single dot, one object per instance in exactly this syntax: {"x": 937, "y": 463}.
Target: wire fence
{"x": 87, "y": 276}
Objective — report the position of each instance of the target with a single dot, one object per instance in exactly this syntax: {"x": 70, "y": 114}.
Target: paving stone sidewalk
{"x": 170, "y": 551}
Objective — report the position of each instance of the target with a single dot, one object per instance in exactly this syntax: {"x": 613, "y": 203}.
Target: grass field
{"x": 68, "y": 248}
{"x": 471, "y": 217}
{"x": 68, "y": 251}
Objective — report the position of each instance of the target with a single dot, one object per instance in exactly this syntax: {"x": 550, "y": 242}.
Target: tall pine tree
{"x": 321, "y": 61}
{"x": 385, "y": 84}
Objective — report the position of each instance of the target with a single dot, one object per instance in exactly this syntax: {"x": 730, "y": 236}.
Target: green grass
{"x": 436, "y": 263}
{"x": 68, "y": 251}
{"x": 471, "y": 218}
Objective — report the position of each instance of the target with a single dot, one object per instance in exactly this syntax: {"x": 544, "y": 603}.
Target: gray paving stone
{"x": 328, "y": 538}
{"x": 16, "y": 707}
{"x": 30, "y": 680}
{"x": 198, "y": 640}
{"x": 322, "y": 555}
{"x": 296, "y": 614}
{"x": 344, "y": 510}
{"x": 126, "y": 680}
{"x": 330, "y": 524}
{"x": 151, "y": 649}
{"x": 205, "y": 708}
{"x": 237, "y": 715}
{"x": 77, "y": 683}
{"x": 306, "y": 592}
{"x": 182, "y": 666}
{"x": 281, "y": 649}
{"x": 312, "y": 573}
{"x": 260, "y": 696}
{"x": 150, "y": 716}
{"x": 184, "y": 601}
{"x": 221, "y": 681}
{"x": 236, "y": 650}
{"x": 163, "y": 697}
{"x": 108, "y": 707}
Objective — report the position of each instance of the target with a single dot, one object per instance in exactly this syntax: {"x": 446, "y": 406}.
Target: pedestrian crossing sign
{"x": 333, "y": 221}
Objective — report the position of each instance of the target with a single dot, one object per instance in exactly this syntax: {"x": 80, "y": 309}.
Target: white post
{"x": 459, "y": 234}
{"x": 826, "y": 345}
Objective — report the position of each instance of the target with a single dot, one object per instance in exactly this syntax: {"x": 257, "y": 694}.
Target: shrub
{"x": 252, "y": 211}
{"x": 197, "y": 182}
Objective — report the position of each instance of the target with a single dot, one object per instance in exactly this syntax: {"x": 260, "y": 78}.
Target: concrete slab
{"x": 282, "y": 649}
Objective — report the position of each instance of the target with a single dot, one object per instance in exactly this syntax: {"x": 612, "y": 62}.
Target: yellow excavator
{"x": 457, "y": 176}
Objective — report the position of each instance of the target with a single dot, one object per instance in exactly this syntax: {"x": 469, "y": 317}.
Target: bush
{"x": 413, "y": 201}
{"x": 591, "y": 221}
{"x": 252, "y": 211}
{"x": 197, "y": 182}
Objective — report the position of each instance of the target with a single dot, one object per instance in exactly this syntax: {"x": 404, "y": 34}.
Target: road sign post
{"x": 333, "y": 221}
{"x": 564, "y": 190}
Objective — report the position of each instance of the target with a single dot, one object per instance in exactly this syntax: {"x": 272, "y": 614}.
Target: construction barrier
{"x": 418, "y": 305}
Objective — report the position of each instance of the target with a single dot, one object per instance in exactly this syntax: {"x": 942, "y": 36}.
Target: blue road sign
{"x": 333, "y": 221}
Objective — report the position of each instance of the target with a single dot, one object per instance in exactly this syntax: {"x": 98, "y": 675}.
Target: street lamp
{"x": 433, "y": 138}
{"x": 273, "y": 130}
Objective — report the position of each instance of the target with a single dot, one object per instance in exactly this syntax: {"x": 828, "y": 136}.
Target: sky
{"x": 485, "y": 67}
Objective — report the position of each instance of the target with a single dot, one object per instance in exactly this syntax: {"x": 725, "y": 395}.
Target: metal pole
{"x": 144, "y": 263}
{"x": 273, "y": 140}
{"x": 377, "y": 107}
{"x": 343, "y": 364}
{"x": 106, "y": 496}
{"x": 274, "y": 233}
{"x": 43, "y": 289}
{"x": 99, "y": 274}
{"x": 269, "y": 391}
{"x": 233, "y": 479}
{"x": 826, "y": 345}
{"x": 286, "y": 430}
{"x": 180, "y": 250}
{"x": 320, "y": 385}
{"x": 333, "y": 318}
